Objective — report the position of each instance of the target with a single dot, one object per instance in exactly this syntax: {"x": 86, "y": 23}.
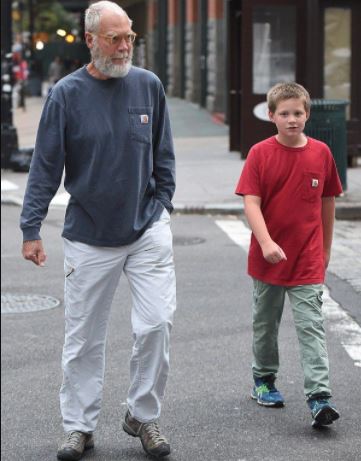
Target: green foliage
{"x": 49, "y": 16}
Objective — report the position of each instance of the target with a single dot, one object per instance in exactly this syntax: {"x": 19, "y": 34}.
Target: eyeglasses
{"x": 117, "y": 39}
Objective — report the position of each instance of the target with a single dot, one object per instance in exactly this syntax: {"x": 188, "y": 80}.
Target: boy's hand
{"x": 273, "y": 253}
{"x": 33, "y": 251}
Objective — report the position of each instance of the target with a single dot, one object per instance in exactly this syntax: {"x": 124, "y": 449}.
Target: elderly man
{"x": 108, "y": 124}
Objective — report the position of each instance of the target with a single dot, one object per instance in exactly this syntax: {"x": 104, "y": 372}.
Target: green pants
{"x": 306, "y": 302}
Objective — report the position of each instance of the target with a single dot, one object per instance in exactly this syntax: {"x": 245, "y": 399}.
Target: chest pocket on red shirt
{"x": 312, "y": 186}
{"x": 140, "y": 120}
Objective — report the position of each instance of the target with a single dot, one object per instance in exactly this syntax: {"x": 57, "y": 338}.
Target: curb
{"x": 11, "y": 200}
{"x": 344, "y": 211}
{"x": 348, "y": 212}
{"x": 210, "y": 208}
{"x": 223, "y": 208}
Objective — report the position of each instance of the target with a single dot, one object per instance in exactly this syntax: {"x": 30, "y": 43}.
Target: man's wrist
{"x": 31, "y": 234}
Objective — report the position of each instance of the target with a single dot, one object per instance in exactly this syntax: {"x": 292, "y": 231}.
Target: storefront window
{"x": 337, "y": 54}
{"x": 274, "y": 46}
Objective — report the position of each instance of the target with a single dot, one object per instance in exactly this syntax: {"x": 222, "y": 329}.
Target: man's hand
{"x": 273, "y": 253}
{"x": 33, "y": 251}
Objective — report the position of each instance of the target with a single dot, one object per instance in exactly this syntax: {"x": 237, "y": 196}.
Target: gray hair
{"x": 93, "y": 13}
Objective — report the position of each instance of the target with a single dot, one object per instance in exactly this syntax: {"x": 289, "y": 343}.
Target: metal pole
{"x": 9, "y": 138}
{"x": 162, "y": 42}
{"x": 182, "y": 48}
{"x": 6, "y": 64}
{"x": 31, "y": 29}
{"x": 203, "y": 10}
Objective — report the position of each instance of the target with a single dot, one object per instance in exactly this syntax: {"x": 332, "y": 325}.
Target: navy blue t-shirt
{"x": 114, "y": 139}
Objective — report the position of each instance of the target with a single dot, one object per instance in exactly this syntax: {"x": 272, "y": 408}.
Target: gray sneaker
{"x": 72, "y": 448}
{"x": 153, "y": 442}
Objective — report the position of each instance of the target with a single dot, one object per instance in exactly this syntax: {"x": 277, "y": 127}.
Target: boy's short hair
{"x": 287, "y": 90}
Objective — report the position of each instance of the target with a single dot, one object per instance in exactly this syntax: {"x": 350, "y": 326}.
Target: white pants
{"x": 91, "y": 278}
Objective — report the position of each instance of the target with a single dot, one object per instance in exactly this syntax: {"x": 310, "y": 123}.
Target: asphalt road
{"x": 207, "y": 413}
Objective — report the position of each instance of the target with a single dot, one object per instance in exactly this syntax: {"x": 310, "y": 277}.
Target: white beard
{"x": 105, "y": 66}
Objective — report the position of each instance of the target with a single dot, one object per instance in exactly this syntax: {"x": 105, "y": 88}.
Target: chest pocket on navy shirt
{"x": 140, "y": 120}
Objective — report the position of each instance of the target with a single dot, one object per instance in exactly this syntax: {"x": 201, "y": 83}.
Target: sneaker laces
{"x": 73, "y": 438}
{"x": 263, "y": 388}
{"x": 266, "y": 387}
{"x": 321, "y": 402}
{"x": 152, "y": 429}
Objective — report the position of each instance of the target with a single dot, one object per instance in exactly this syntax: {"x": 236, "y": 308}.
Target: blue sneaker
{"x": 323, "y": 413}
{"x": 266, "y": 394}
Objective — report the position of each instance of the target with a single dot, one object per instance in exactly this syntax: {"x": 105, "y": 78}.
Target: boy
{"x": 289, "y": 183}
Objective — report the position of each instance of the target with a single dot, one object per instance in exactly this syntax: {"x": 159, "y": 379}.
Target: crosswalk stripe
{"x": 60, "y": 199}
{"x": 7, "y": 186}
{"x": 339, "y": 321}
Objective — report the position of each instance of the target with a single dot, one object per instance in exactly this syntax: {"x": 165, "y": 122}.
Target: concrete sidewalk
{"x": 207, "y": 172}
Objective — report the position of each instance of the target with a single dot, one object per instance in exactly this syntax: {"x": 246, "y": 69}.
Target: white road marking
{"x": 236, "y": 231}
{"x": 60, "y": 199}
{"x": 346, "y": 329}
{"x": 8, "y": 185}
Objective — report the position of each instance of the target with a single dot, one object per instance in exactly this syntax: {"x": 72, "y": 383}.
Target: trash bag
{"x": 9, "y": 144}
{"x": 20, "y": 160}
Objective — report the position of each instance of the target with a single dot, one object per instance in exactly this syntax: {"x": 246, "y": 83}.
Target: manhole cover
{"x": 15, "y": 304}
{"x": 185, "y": 241}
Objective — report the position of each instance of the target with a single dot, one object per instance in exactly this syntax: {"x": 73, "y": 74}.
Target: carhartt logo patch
{"x": 314, "y": 182}
{"x": 144, "y": 118}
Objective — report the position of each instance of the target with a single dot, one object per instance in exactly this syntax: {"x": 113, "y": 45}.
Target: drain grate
{"x": 17, "y": 304}
{"x": 185, "y": 241}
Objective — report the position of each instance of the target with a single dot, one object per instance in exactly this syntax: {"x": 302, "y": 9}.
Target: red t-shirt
{"x": 291, "y": 182}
